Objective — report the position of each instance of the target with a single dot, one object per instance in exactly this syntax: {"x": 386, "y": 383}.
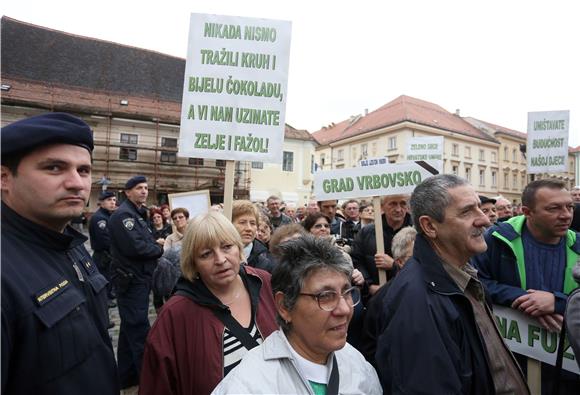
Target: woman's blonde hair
{"x": 244, "y": 207}
{"x": 206, "y": 231}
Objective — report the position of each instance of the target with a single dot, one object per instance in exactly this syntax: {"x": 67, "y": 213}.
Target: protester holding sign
{"x": 221, "y": 309}
{"x": 437, "y": 332}
{"x": 364, "y": 250}
{"x": 529, "y": 260}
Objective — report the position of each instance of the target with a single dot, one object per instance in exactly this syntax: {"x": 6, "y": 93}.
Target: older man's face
{"x": 504, "y": 208}
{"x": 489, "y": 210}
{"x": 575, "y": 195}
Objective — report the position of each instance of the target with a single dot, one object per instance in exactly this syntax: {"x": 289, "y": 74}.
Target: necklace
{"x": 236, "y": 296}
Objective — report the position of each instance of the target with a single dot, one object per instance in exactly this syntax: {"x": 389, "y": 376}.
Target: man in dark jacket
{"x": 54, "y": 300}
{"x": 100, "y": 239}
{"x": 135, "y": 254}
{"x": 364, "y": 251}
{"x": 438, "y": 334}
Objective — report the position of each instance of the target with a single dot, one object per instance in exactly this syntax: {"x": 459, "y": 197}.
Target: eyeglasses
{"x": 328, "y": 300}
{"x": 320, "y": 226}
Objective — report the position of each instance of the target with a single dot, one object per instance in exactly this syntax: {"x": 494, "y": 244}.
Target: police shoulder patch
{"x": 102, "y": 224}
{"x": 129, "y": 223}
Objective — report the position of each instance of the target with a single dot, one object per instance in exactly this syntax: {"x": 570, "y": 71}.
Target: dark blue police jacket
{"x": 54, "y": 313}
{"x": 133, "y": 246}
{"x": 98, "y": 230}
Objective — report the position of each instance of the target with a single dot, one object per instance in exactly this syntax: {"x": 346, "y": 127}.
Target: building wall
{"x": 292, "y": 186}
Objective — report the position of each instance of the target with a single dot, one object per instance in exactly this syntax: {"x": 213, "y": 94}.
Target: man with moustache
{"x": 529, "y": 261}
{"x": 54, "y": 300}
{"x": 437, "y": 333}
{"x": 135, "y": 254}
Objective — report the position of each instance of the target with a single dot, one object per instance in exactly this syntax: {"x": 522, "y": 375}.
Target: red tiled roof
{"x": 501, "y": 129}
{"x": 297, "y": 134}
{"x": 403, "y": 108}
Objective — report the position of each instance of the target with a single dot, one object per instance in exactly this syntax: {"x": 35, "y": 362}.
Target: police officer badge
{"x": 102, "y": 224}
{"x": 129, "y": 223}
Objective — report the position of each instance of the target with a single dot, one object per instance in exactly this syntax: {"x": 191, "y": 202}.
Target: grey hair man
{"x": 575, "y": 192}
{"x": 504, "y": 209}
{"x": 439, "y": 296}
{"x": 276, "y": 216}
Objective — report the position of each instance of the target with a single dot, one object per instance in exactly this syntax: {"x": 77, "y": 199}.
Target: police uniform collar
{"x": 26, "y": 229}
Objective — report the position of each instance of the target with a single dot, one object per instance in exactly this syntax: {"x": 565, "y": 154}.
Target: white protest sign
{"x": 378, "y": 180}
{"x": 235, "y": 88}
{"x": 373, "y": 161}
{"x": 428, "y": 148}
{"x": 526, "y": 336}
{"x": 547, "y": 145}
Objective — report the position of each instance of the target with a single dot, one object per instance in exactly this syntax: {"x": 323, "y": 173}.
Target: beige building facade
{"x": 487, "y": 155}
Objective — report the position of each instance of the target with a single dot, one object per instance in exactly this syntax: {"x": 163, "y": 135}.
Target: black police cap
{"x": 485, "y": 199}
{"x": 106, "y": 194}
{"x": 134, "y": 181}
{"x": 28, "y": 134}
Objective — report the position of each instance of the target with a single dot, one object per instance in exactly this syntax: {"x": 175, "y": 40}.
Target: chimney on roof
{"x": 366, "y": 111}
{"x": 457, "y": 112}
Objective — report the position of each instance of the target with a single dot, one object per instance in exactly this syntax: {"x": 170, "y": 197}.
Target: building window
{"x": 493, "y": 179}
{"x": 506, "y": 180}
{"x": 127, "y": 138}
{"x": 523, "y": 181}
{"x": 288, "y": 161}
{"x": 257, "y": 165}
{"x": 393, "y": 143}
{"x": 481, "y": 177}
{"x": 454, "y": 169}
{"x": 375, "y": 149}
{"x": 364, "y": 150}
{"x": 515, "y": 181}
{"x": 312, "y": 164}
{"x": 128, "y": 154}
{"x": 168, "y": 142}
{"x": 220, "y": 163}
{"x": 493, "y": 157}
{"x": 455, "y": 150}
{"x": 354, "y": 152}
{"x": 505, "y": 154}
{"x": 322, "y": 160}
{"x": 515, "y": 155}
{"x": 168, "y": 157}
{"x": 481, "y": 154}
{"x": 468, "y": 152}
{"x": 196, "y": 161}
{"x": 340, "y": 154}
{"x": 468, "y": 174}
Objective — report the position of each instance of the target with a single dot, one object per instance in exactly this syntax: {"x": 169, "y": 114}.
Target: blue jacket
{"x": 133, "y": 246}
{"x": 429, "y": 341}
{"x": 54, "y": 313}
{"x": 501, "y": 272}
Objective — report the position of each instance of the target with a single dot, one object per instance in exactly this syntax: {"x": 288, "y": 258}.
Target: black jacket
{"x": 429, "y": 340}
{"x": 365, "y": 248}
{"x": 54, "y": 326}
{"x": 133, "y": 246}
{"x": 260, "y": 257}
{"x": 98, "y": 231}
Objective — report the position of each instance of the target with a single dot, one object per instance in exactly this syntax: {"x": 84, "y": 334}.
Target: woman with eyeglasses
{"x": 309, "y": 354}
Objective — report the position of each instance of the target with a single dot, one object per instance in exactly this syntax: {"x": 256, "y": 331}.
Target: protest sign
{"x": 196, "y": 202}
{"x": 526, "y": 336}
{"x": 378, "y": 180}
{"x": 373, "y": 161}
{"x": 235, "y": 88}
{"x": 429, "y": 148}
{"x": 547, "y": 145}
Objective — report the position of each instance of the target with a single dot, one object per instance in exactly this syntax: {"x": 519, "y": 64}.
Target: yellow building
{"x": 487, "y": 155}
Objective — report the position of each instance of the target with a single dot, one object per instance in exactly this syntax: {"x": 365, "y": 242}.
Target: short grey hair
{"x": 431, "y": 197}
{"x": 402, "y": 240}
{"x": 298, "y": 259}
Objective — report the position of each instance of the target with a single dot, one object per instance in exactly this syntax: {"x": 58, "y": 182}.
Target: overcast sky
{"x": 493, "y": 60}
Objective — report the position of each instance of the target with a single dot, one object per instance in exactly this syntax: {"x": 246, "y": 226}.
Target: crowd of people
{"x": 282, "y": 298}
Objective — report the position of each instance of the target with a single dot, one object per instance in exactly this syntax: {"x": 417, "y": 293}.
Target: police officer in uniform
{"x": 135, "y": 252}
{"x": 54, "y": 300}
{"x": 100, "y": 239}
